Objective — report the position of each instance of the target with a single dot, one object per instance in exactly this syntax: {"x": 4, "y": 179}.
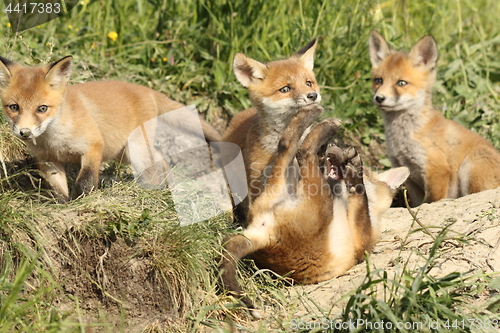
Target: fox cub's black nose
{"x": 25, "y": 132}
{"x": 312, "y": 96}
{"x": 379, "y": 99}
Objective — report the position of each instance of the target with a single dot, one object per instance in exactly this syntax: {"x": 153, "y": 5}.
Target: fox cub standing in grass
{"x": 325, "y": 226}
{"x": 445, "y": 159}
{"x": 278, "y": 90}
{"x": 84, "y": 123}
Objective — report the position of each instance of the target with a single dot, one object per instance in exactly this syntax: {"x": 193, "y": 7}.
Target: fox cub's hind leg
{"x": 257, "y": 235}
{"x": 358, "y": 215}
{"x": 354, "y": 172}
{"x": 236, "y": 247}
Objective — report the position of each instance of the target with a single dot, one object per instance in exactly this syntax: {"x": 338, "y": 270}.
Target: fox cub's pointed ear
{"x": 425, "y": 53}
{"x": 248, "y": 70}
{"x": 379, "y": 49}
{"x": 5, "y": 74}
{"x": 394, "y": 177}
{"x": 59, "y": 72}
{"x": 306, "y": 54}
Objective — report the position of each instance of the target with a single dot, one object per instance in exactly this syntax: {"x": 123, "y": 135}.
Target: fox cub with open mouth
{"x": 325, "y": 226}
{"x": 445, "y": 159}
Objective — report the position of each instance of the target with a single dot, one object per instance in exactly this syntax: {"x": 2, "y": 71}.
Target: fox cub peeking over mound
{"x": 85, "y": 123}
{"x": 445, "y": 159}
{"x": 325, "y": 226}
{"x": 278, "y": 90}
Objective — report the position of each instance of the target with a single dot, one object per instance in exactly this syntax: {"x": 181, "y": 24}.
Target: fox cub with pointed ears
{"x": 86, "y": 123}
{"x": 445, "y": 159}
{"x": 277, "y": 90}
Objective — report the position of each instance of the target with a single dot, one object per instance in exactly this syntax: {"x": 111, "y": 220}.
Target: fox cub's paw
{"x": 302, "y": 120}
{"x": 333, "y": 122}
{"x": 353, "y": 171}
{"x": 326, "y": 129}
{"x": 308, "y": 114}
{"x": 317, "y": 137}
{"x": 313, "y": 108}
{"x": 345, "y": 164}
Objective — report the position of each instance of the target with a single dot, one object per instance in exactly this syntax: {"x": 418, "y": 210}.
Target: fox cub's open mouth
{"x": 334, "y": 163}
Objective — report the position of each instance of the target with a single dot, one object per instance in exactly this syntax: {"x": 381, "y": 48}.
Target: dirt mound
{"x": 110, "y": 281}
{"x": 113, "y": 282}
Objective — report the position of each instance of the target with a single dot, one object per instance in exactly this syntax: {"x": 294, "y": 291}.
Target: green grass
{"x": 185, "y": 49}
{"x": 418, "y": 301}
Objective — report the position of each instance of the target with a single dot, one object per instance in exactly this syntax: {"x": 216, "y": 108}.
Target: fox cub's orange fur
{"x": 323, "y": 224}
{"x": 278, "y": 90}
{"x": 445, "y": 159}
{"x": 83, "y": 123}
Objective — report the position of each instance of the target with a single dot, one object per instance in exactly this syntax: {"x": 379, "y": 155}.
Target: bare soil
{"x": 108, "y": 283}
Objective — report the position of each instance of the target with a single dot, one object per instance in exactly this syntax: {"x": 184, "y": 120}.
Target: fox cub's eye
{"x": 402, "y": 83}
{"x": 378, "y": 80}
{"x": 285, "y": 89}
{"x": 42, "y": 109}
{"x": 309, "y": 83}
{"x": 14, "y": 107}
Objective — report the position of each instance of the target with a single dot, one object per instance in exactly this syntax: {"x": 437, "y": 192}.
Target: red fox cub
{"x": 325, "y": 226}
{"x": 83, "y": 123}
{"x": 277, "y": 90}
{"x": 445, "y": 159}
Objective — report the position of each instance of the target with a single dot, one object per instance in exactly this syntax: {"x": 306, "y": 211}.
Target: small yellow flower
{"x": 8, "y": 24}
{"x": 92, "y": 46}
{"x": 70, "y": 26}
{"x": 76, "y": 29}
{"x": 164, "y": 59}
{"x": 113, "y": 36}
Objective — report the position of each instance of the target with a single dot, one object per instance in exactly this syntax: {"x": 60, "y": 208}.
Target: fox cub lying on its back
{"x": 322, "y": 229}
{"x": 445, "y": 159}
{"x": 85, "y": 123}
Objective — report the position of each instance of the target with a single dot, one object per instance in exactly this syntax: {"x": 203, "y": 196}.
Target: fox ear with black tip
{"x": 379, "y": 49}
{"x": 306, "y": 54}
{"x": 5, "y": 73}
{"x": 59, "y": 72}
